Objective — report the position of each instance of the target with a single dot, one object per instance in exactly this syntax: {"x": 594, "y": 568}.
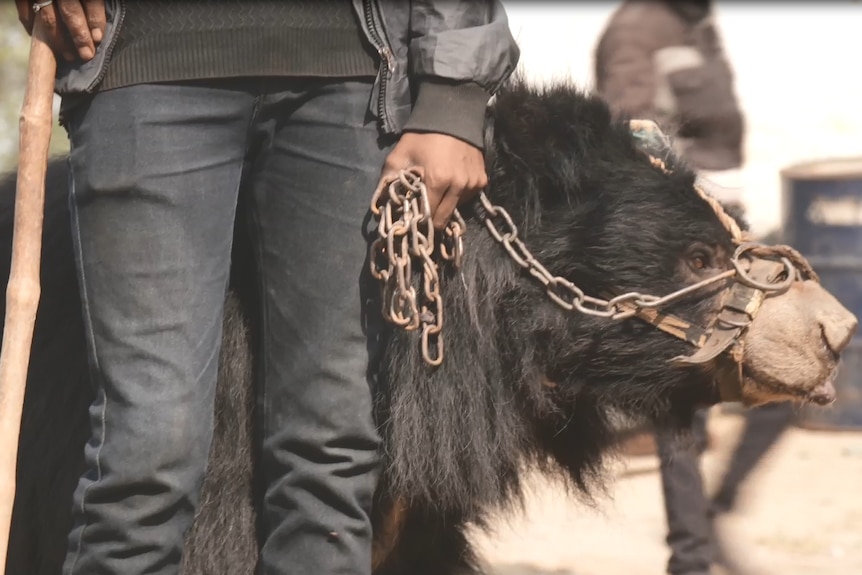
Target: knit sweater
{"x": 164, "y": 40}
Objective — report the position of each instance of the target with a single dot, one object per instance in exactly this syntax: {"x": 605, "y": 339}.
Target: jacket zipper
{"x": 121, "y": 15}
{"x": 387, "y": 64}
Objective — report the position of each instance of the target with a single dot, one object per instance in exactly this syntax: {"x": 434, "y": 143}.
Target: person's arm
{"x": 460, "y": 53}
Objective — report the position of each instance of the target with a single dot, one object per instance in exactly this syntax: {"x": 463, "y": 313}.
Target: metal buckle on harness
{"x": 741, "y": 304}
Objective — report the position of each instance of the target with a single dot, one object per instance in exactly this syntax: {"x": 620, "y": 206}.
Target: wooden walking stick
{"x": 23, "y": 290}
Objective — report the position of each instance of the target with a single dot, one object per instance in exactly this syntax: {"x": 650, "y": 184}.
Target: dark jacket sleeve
{"x": 460, "y": 53}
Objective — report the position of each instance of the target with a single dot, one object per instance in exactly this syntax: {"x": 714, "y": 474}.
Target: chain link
{"x": 406, "y": 231}
{"x": 564, "y": 293}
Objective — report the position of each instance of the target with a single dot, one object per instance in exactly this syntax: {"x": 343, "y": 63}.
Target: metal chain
{"x": 563, "y": 292}
{"x": 405, "y": 231}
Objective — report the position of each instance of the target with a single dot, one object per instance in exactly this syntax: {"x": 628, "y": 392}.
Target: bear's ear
{"x": 531, "y": 129}
{"x": 517, "y": 122}
{"x": 650, "y": 138}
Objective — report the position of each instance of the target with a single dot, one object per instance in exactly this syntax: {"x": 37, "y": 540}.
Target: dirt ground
{"x": 800, "y": 513}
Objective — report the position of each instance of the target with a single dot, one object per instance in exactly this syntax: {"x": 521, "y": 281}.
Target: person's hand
{"x": 72, "y": 26}
{"x": 453, "y": 170}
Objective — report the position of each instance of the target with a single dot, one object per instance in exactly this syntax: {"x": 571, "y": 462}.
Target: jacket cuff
{"x": 456, "y": 109}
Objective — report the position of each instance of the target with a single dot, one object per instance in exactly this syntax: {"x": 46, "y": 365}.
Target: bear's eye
{"x": 700, "y": 257}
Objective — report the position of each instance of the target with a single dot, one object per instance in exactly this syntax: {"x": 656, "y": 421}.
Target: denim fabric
{"x": 158, "y": 171}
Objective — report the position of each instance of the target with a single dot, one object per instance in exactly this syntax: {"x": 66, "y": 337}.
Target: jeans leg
{"x": 686, "y": 506}
{"x": 311, "y": 190}
{"x": 156, "y": 170}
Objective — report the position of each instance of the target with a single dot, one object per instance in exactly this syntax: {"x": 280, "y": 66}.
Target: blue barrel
{"x": 822, "y": 218}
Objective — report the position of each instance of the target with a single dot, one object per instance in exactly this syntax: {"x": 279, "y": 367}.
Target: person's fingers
{"x": 387, "y": 176}
{"x": 395, "y": 162}
{"x": 445, "y": 210}
{"x": 437, "y": 186}
{"x": 448, "y": 196}
{"x": 54, "y": 35}
{"x": 478, "y": 181}
{"x": 25, "y": 14}
{"x": 463, "y": 185}
{"x": 96, "y": 19}
{"x": 481, "y": 174}
{"x": 75, "y": 20}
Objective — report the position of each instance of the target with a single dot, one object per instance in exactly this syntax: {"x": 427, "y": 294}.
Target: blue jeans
{"x": 158, "y": 171}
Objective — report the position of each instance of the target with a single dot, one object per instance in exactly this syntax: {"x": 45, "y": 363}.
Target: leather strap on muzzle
{"x": 738, "y": 310}
{"x": 739, "y": 307}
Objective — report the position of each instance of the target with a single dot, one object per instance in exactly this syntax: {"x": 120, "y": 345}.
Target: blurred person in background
{"x": 663, "y": 61}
